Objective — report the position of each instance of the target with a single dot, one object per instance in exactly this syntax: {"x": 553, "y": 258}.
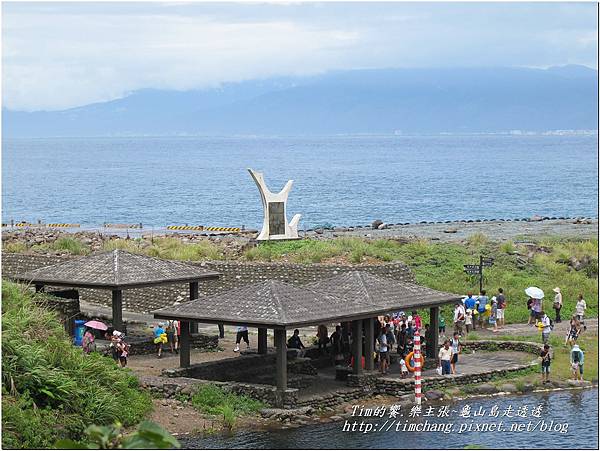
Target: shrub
{"x": 70, "y": 245}
{"x": 214, "y": 400}
{"x": 15, "y": 247}
{"x": 50, "y": 384}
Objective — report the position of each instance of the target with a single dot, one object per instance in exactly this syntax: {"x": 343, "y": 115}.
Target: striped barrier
{"x": 59, "y": 225}
{"x": 24, "y": 224}
{"x": 223, "y": 229}
{"x": 417, "y": 373}
{"x": 185, "y": 227}
{"x": 123, "y": 226}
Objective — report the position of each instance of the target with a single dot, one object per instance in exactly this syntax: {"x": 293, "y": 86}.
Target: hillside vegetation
{"x": 50, "y": 389}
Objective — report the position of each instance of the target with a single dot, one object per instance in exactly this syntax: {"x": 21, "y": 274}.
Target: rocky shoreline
{"x": 39, "y": 239}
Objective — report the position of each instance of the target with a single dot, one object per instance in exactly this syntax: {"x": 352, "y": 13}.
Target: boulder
{"x": 484, "y": 389}
{"x": 536, "y": 218}
{"x": 382, "y": 226}
{"x": 510, "y": 388}
{"x": 434, "y": 394}
{"x": 375, "y": 224}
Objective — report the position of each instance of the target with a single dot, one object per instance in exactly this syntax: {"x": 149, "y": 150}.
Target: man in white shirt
{"x": 459, "y": 318}
{"x": 444, "y": 357}
{"x": 546, "y": 327}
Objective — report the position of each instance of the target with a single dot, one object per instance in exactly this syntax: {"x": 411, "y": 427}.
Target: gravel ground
{"x": 459, "y": 231}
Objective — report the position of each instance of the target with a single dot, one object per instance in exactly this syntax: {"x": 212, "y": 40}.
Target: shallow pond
{"x": 565, "y": 419}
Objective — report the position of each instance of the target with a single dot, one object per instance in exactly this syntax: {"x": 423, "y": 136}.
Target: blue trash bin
{"x": 79, "y": 328}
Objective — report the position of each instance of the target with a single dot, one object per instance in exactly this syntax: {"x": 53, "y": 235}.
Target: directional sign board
{"x": 471, "y": 269}
{"x": 488, "y": 261}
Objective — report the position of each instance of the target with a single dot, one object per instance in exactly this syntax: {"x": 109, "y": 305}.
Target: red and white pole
{"x": 417, "y": 357}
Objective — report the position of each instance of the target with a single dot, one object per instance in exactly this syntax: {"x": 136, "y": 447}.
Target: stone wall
{"x": 145, "y": 346}
{"x": 172, "y": 387}
{"x": 233, "y": 275}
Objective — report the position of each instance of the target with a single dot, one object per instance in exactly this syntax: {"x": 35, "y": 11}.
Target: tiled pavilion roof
{"x": 382, "y": 292}
{"x": 115, "y": 270}
{"x": 349, "y": 296}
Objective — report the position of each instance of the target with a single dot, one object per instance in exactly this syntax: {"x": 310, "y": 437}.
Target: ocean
{"x": 338, "y": 181}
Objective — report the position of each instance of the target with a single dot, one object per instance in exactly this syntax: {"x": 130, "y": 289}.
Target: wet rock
{"x": 527, "y": 388}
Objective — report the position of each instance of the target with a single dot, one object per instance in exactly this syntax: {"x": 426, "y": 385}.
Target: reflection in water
{"x": 568, "y": 419}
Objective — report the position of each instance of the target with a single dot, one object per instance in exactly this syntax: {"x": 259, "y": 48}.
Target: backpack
{"x": 575, "y": 356}
{"x": 551, "y": 324}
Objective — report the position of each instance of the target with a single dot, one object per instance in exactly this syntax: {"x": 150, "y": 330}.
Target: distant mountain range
{"x": 460, "y": 100}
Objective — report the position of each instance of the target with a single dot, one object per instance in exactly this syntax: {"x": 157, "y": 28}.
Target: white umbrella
{"x": 534, "y": 292}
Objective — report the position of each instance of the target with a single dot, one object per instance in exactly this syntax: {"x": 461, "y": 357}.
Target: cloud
{"x": 57, "y": 56}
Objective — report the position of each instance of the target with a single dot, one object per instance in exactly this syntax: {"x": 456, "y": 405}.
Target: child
{"x": 493, "y": 314}
{"x": 545, "y": 355}
{"x": 403, "y": 368}
{"x": 469, "y": 320}
{"x": 442, "y": 324}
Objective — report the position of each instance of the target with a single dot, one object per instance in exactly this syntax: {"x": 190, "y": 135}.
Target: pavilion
{"x": 116, "y": 271}
{"x": 355, "y": 297}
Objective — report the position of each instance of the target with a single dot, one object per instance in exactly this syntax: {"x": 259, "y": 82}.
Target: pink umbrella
{"x": 96, "y": 325}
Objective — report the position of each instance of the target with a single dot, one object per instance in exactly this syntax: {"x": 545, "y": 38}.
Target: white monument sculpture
{"x": 275, "y": 224}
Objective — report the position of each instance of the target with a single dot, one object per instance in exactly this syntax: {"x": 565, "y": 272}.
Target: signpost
{"x": 478, "y": 269}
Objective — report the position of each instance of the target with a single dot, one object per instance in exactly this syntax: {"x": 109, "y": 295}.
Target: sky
{"x": 63, "y": 55}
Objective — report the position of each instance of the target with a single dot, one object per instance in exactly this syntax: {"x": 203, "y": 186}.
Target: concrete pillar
{"x": 262, "y": 340}
{"x": 117, "y": 309}
{"x": 193, "y": 296}
{"x": 184, "y": 345}
{"x": 369, "y": 343}
{"x": 357, "y": 346}
{"x": 281, "y": 366}
{"x": 433, "y": 338}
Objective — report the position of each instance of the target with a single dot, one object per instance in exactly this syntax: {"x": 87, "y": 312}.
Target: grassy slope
{"x": 437, "y": 265}
{"x": 50, "y": 389}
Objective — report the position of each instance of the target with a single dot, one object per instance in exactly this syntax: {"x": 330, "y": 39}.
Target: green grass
{"x": 440, "y": 266}
{"x": 51, "y": 390}
{"x": 15, "y": 247}
{"x": 213, "y": 400}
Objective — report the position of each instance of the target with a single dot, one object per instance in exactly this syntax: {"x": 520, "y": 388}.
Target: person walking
{"x": 546, "y": 326}
{"x": 469, "y": 324}
{"x": 574, "y": 331}
{"x": 470, "y": 303}
{"x": 383, "y": 350}
{"x": 171, "y": 334}
{"x": 242, "y": 333}
{"x": 459, "y": 318}
{"x": 493, "y": 319}
{"x": 580, "y": 307}
{"x": 322, "y": 338}
{"x": 160, "y": 337}
{"x": 481, "y": 308}
{"x": 576, "y": 358}
{"x": 441, "y": 324}
{"x": 546, "y": 358}
{"x": 456, "y": 346}
{"x": 88, "y": 342}
{"x": 501, "y": 307}
{"x": 294, "y": 342}
{"x": 444, "y": 358}
{"x": 337, "y": 347}
{"x": 557, "y": 304}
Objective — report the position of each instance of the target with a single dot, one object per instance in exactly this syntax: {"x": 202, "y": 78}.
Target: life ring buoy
{"x": 409, "y": 357}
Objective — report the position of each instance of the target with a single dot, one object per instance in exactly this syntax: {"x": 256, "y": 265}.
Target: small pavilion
{"x": 116, "y": 271}
{"x": 356, "y": 297}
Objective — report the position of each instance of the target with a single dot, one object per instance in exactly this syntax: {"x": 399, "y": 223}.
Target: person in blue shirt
{"x": 470, "y": 304}
{"x": 483, "y": 300}
{"x": 158, "y": 338}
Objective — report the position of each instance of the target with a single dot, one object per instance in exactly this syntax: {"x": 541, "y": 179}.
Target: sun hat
{"x": 556, "y": 290}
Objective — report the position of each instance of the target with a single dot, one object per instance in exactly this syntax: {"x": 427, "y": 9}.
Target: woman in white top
{"x": 557, "y": 305}
{"x": 580, "y": 307}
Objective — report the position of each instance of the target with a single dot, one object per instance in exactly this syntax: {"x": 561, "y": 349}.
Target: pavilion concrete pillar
{"x": 434, "y": 332}
{"x": 117, "y": 309}
{"x": 357, "y": 346}
{"x": 193, "y": 296}
{"x": 369, "y": 343}
{"x": 262, "y": 340}
{"x": 281, "y": 365}
{"x": 184, "y": 345}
